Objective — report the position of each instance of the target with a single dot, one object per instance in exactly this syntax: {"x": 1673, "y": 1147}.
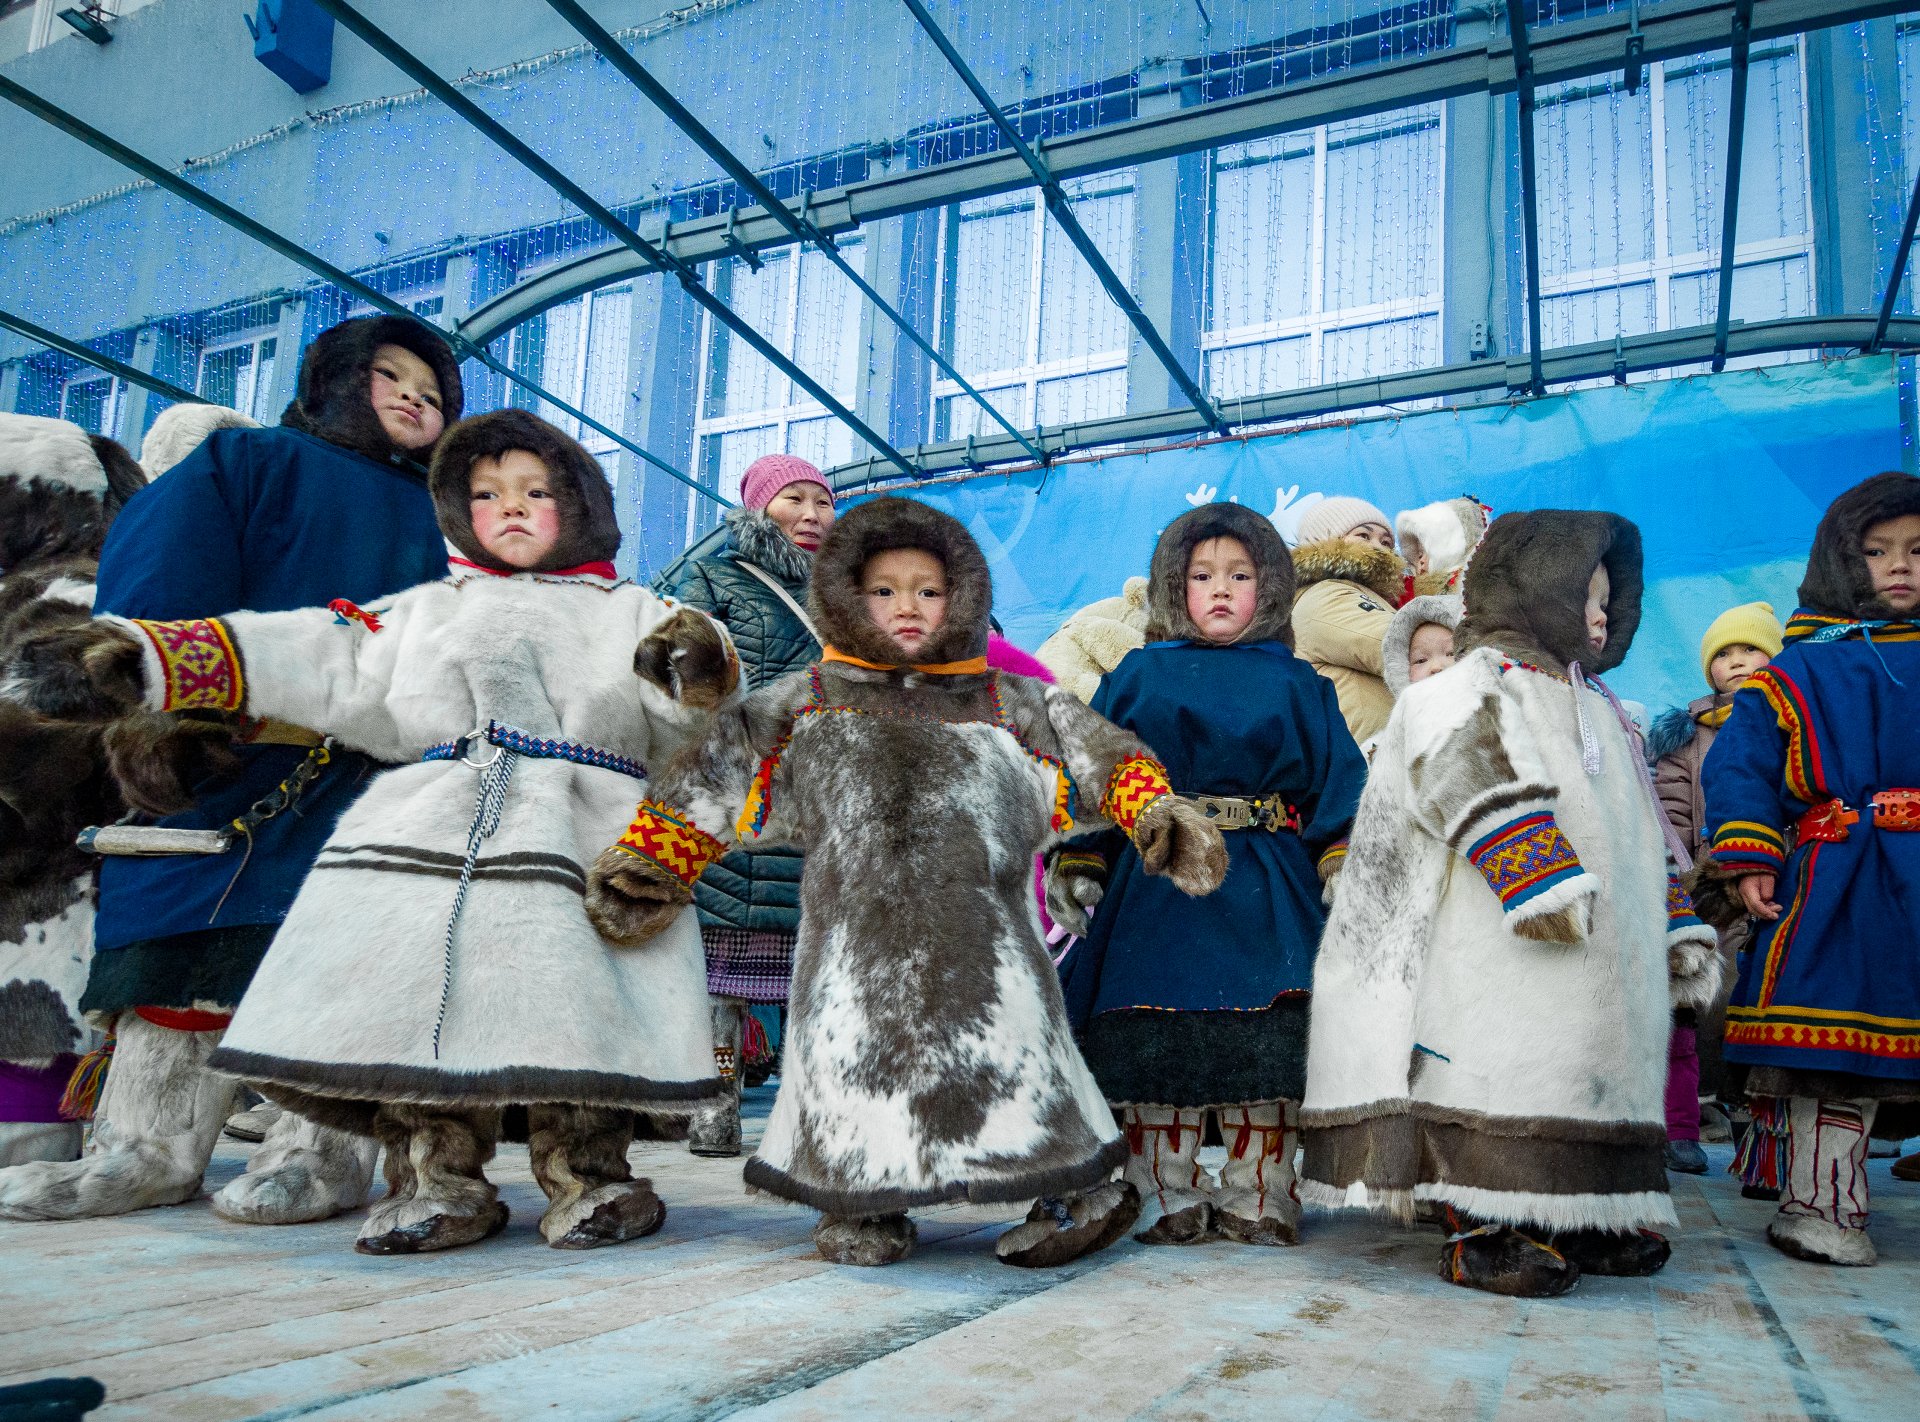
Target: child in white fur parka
{"x": 438, "y": 966}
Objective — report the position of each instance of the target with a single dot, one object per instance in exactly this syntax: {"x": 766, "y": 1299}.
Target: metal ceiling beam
{"x": 1736, "y": 147}
{"x": 1062, "y": 210}
{"x": 797, "y": 225}
{"x": 1657, "y": 351}
{"x": 1529, "y": 190}
{"x": 1900, "y": 255}
{"x": 1575, "y": 50}
{"x": 478, "y": 119}
{"x": 170, "y": 182}
{"x": 133, "y": 375}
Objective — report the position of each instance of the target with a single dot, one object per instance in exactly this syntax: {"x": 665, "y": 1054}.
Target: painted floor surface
{"x": 728, "y": 1312}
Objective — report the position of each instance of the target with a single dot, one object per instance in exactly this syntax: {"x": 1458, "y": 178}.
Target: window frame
{"x": 591, "y": 440}
{"x": 116, "y": 402}
{"x": 255, "y": 338}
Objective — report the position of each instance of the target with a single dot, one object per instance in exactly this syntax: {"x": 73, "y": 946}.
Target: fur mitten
{"x": 1693, "y": 969}
{"x": 690, "y": 659}
{"x": 1715, "y": 895}
{"x": 1076, "y": 881}
{"x": 631, "y": 899}
{"x": 88, "y": 672}
{"x": 1177, "y": 839}
{"x": 157, "y": 758}
{"x": 1568, "y": 924}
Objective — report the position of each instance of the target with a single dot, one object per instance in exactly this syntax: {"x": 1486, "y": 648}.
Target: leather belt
{"x": 1831, "y": 821}
{"x": 1231, "y": 812}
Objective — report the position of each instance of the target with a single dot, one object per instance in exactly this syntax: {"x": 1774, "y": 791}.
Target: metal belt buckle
{"x": 463, "y": 748}
{"x": 1226, "y": 814}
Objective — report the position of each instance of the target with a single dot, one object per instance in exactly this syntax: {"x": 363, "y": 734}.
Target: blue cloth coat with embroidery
{"x": 1250, "y": 721}
{"x": 1834, "y": 983}
{"x": 267, "y": 520}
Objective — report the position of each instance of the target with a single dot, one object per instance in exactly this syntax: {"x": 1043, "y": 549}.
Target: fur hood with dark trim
{"x": 1526, "y": 589}
{"x": 1381, "y": 572}
{"x": 1273, "y": 567}
{"x": 879, "y": 526}
{"x": 335, "y": 398}
{"x": 589, "y": 532}
{"x": 1837, "y": 583}
{"x": 1397, "y": 645}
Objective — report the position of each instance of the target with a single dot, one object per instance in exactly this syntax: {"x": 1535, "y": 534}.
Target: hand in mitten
{"x": 1075, "y": 882}
{"x": 1693, "y": 969}
{"x": 1177, "y": 840}
{"x": 690, "y": 659}
{"x": 156, "y": 759}
{"x": 631, "y": 899}
{"x": 1568, "y": 925}
{"x": 87, "y": 672}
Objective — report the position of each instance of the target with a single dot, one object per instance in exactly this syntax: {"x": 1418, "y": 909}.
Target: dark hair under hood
{"x": 1274, "y": 578}
{"x": 335, "y": 397}
{"x": 589, "y": 532}
{"x": 882, "y": 525}
{"x": 1837, "y": 583}
{"x": 1526, "y": 588}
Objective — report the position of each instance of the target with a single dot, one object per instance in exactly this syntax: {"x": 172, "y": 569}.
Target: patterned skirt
{"x": 755, "y": 966}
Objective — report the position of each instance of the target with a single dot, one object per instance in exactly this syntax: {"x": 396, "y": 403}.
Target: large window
{"x": 1023, "y": 316}
{"x": 1632, "y": 193}
{"x": 577, "y": 352}
{"x": 811, "y": 313}
{"x": 238, "y": 373}
{"x": 93, "y": 400}
{"x": 1325, "y": 255}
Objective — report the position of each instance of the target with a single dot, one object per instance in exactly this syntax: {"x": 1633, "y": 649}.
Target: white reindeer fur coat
{"x": 1451, "y": 1057}
{"x": 538, "y": 1008}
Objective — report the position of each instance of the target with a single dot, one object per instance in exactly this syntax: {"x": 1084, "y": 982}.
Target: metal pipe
{"x": 1062, "y": 210}
{"x": 1900, "y": 255}
{"x": 1736, "y": 146}
{"x": 133, "y": 375}
{"x": 1529, "y": 197}
{"x": 173, "y": 183}
{"x": 477, "y": 118}
{"x": 797, "y": 225}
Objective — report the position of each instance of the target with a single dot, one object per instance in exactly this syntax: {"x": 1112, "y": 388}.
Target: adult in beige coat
{"x": 1351, "y": 580}
{"x": 1092, "y": 641}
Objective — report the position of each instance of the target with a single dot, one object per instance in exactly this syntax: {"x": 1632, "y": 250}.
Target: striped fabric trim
{"x": 1333, "y": 857}
{"x": 1805, "y": 624}
{"x": 1780, "y": 944}
{"x": 1805, "y": 770}
{"x": 670, "y": 839}
{"x": 1524, "y": 858}
{"x": 1748, "y": 842}
{"x": 1818, "y": 1030}
{"x": 525, "y": 866}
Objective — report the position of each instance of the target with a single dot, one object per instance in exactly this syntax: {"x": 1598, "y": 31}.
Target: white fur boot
{"x": 1823, "y": 1210}
{"x": 302, "y": 1171}
{"x": 153, "y": 1134}
{"x": 1259, "y": 1199}
{"x": 1163, "y": 1146}
{"x": 22, "y": 1141}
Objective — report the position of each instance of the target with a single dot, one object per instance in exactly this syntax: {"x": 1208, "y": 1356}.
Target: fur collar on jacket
{"x": 1274, "y": 578}
{"x": 1341, "y": 559}
{"x": 1415, "y": 614}
{"x": 878, "y": 526}
{"x": 589, "y": 533}
{"x": 753, "y": 536}
{"x": 1677, "y": 725}
{"x": 1837, "y": 582}
{"x": 1526, "y": 589}
{"x": 335, "y": 399}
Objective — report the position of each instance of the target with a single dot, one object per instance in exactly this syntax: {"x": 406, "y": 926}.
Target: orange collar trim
{"x": 972, "y": 666}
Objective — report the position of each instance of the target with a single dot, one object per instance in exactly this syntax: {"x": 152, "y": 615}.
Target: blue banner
{"x": 1726, "y": 475}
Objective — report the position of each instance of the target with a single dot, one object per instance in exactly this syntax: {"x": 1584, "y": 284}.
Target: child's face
{"x": 1599, "y": 593}
{"x": 406, "y": 397}
{"x": 804, "y": 512}
{"x": 1430, "y": 651}
{"x": 1892, "y": 550}
{"x": 515, "y": 517}
{"x": 1733, "y": 664}
{"x": 1221, "y": 588}
{"x": 1374, "y": 535}
{"x": 906, "y": 593}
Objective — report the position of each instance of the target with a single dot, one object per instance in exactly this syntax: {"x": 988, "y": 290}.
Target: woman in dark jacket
{"x": 749, "y": 903}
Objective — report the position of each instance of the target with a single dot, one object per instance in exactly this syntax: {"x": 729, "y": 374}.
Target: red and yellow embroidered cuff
{"x": 199, "y": 668}
{"x": 1524, "y": 858}
{"x": 1134, "y": 785}
{"x": 671, "y": 840}
{"x": 1748, "y": 844}
{"x": 1680, "y": 912}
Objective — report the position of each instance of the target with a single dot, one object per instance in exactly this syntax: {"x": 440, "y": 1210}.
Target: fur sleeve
{"x": 671, "y": 722}
{"x": 1114, "y": 774}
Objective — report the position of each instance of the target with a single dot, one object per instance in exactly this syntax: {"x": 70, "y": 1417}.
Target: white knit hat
{"x": 1338, "y": 516}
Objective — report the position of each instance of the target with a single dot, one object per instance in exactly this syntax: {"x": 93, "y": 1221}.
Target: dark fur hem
{"x": 1193, "y": 1059}
{"x": 185, "y": 970}
{"x": 1536, "y": 1155}
{"x": 995, "y": 1190}
{"x": 1671, "y": 730}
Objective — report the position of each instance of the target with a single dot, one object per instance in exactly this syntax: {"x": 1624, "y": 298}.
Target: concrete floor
{"x": 728, "y": 1312}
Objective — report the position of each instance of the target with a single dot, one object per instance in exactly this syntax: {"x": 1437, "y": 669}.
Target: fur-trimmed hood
{"x": 178, "y": 430}
{"x": 878, "y": 526}
{"x": 1837, "y": 583}
{"x": 1377, "y": 569}
{"x": 1273, "y": 567}
{"x": 753, "y": 535}
{"x": 1445, "y": 533}
{"x": 1398, "y": 643}
{"x": 60, "y": 488}
{"x": 1526, "y": 589}
{"x": 589, "y": 532}
{"x": 335, "y": 398}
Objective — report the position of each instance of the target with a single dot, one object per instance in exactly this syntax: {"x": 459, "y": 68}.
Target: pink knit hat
{"x": 771, "y": 473}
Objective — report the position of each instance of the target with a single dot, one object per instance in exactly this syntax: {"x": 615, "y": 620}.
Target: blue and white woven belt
{"x": 520, "y": 742}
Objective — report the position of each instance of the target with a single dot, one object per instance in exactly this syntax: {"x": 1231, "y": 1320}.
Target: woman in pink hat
{"x": 749, "y": 904}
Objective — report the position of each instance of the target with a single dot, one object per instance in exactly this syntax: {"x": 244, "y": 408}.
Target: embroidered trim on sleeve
{"x": 1333, "y": 857}
{"x": 1135, "y": 784}
{"x": 1747, "y": 842}
{"x": 1524, "y": 858}
{"x": 1083, "y": 862}
{"x": 670, "y": 839}
{"x": 199, "y": 668}
{"x": 1680, "y": 912}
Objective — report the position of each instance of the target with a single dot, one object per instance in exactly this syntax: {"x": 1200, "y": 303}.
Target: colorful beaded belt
{"x": 1830, "y": 821}
{"x": 512, "y": 738}
{"x": 1229, "y": 812}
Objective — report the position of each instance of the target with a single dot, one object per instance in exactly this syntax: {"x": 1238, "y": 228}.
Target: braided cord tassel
{"x": 486, "y": 819}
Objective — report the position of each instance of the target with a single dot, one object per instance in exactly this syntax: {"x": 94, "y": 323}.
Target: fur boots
{"x": 302, "y": 1171}
{"x": 1059, "y": 1230}
{"x": 1163, "y": 1148}
{"x": 869, "y": 1241}
{"x": 153, "y": 1134}
{"x": 579, "y": 1157}
{"x": 1823, "y": 1211}
{"x": 438, "y": 1195}
{"x": 1259, "y": 1198}
{"x": 715, "y": 1130}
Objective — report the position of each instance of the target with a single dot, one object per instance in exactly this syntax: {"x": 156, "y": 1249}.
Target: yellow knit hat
{"x": 1751, "y": 623}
